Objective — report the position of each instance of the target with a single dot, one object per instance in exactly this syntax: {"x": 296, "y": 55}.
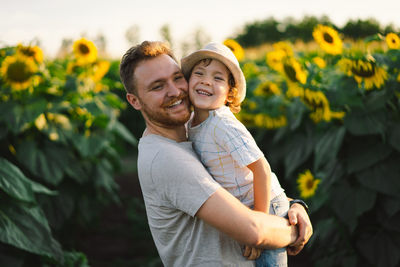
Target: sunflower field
{"x": 328, "y": 120}
{"x": 326, "y": 116}
{"x": 60, "y": 145}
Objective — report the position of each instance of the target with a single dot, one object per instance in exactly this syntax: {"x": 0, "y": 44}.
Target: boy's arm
{"x": 261, "y": 184}
{"x": 224, "y": 212}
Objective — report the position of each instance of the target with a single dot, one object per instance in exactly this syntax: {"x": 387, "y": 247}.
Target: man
{"x": 193, "y": 220}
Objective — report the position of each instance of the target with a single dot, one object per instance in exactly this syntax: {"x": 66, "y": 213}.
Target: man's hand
{"x": 298, "y": 216}
{"x": 251, "y": 253}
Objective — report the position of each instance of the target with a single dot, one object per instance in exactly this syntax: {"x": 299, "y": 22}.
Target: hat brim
{"x": 188, "y": 62}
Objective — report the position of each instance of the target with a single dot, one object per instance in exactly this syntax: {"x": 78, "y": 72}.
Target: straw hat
{"x": 222, "y": 53}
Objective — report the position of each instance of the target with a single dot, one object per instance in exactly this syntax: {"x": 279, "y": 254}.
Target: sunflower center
{"x": 310, "y": 184}
{"x": 328, "y": 38}
{"x": 18, "y": 72}
{"x": 28, "y": 52}
{"x": 84, "y": 49}
{"x": 290, "y": 72}
{"x": 231, "y": 48}
{"x": 364, "y": 69}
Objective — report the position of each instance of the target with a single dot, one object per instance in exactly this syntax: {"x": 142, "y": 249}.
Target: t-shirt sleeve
{"x": 236, "y": 140}
{"x": 183, "y": 183}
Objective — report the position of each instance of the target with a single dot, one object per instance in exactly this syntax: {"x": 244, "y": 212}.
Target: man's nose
{"x": 173, "y": 90}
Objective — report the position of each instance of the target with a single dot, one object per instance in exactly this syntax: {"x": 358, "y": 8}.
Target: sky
{"x": 51, "y": 21}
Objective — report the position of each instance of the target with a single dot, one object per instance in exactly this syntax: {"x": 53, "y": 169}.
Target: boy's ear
{"x": 134, "y": 101}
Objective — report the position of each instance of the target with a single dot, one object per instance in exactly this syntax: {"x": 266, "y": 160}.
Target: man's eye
{"x": 157, "y": 87}
{"x": 177, "y": 78}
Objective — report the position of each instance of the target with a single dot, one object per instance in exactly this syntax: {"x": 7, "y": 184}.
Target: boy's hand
{"x": 298, "y": 216}
{"x": 251, "y": 253}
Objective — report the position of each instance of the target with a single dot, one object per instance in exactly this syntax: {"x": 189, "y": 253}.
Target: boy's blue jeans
{"x": 275, "y": 257}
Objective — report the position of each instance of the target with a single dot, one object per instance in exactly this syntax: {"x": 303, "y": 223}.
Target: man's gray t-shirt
{"x": 175, "y": 185}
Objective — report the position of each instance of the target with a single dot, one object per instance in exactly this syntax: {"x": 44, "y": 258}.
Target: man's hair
{"x": 137, "y": 54}
{"x": 232, "y": 101}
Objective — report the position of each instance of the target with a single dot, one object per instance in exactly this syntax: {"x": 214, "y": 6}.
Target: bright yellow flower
{"x": 33, "y": 52}
{"x": 40, "y": 122}
{"x": 100, "y": 68}
{"x": 250, "y": 69}
{"x": 275, "y": 58}
{"x": 285, "y": 47}
{"x": 294, "y": 90}
{"x": 364, "y": 71}
{"x": 266, "y": 121}
{"x": 320, "y": 62}
{"x": 236, "y": 48}
{"x": 53, "y": 136}
{"x": 294, "y": 71}
{"x": 393, "y": 41}
{"x": 19, "y": 72}
{"x": 267, "y": 89}
{"x": 85, "y": 51}
{"x": 328, "y": 39}
{"x": 319, "y": 104}
{"x": 307, "y": 184}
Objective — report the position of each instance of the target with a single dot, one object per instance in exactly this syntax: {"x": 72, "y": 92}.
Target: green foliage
{"x": 272, "y": 30}
{"x": 342, "y": 124}
{"x": 60, "y": 146}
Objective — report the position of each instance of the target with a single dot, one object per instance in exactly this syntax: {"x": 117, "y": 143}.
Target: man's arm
{"x": 253, "y": 228}
{"x": 298, "y": 216}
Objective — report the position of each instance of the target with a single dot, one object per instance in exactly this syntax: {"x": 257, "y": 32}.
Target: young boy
{"x": 216, "y": 88}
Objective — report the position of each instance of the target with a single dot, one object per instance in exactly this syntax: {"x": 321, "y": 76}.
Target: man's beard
{"x": 164, "y": 118}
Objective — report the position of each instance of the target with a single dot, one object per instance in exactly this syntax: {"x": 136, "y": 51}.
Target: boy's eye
{"x": 198, "y": 73}
{"x": 219, "y": 78}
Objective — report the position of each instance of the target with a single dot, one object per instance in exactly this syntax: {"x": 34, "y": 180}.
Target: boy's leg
{"x": 275, "y": 257}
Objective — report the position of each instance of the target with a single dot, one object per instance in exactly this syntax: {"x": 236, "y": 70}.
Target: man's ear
{"x": 134, "y": 101}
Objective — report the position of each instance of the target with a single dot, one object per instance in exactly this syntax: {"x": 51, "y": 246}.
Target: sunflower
{"x": 85, "y": 51}
{"x": 236, "y": 48}
{"x": 265, "y": 121}
{"x": 274, "y": 59}
{"x": 100, "y": 68}
{"x": 19, "y": 72}
{"x": 328, "y": 39}
{"x": 267, "y": 89}
{"x": 294, "y": 90}
{"x": 33, "y": 52}
{"x": 250, "y": 70}
{"x": 320, "y": 62}
{"x": 364, "y": 70}
{"x": 307, "y": 184}
{"x": 293, "y": 71}
{"x": 393, "y": 41}
{"x": 285, "y": 47}
{"x": 319, "y": 104}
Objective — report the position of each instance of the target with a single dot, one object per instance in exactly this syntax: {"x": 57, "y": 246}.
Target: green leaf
{"x": 123, "y": 132}
{"x": 26, "y": 228}
{"x": 298, "y": 149}
{"x": 382, "y": 177}
{"x": 394, "y": 136}
{"x": 391, "y": 204}
{"x": 89, "y": 146}
{"x": 349, "y": 202}
{"x": 375, "y": 37}
{"x": 365, "y": 154}
{"x": 365, "y": 123}
{"x": 14, "y": 183}
{"x": 380, "y": 247}
{"x": 328, "y": 146}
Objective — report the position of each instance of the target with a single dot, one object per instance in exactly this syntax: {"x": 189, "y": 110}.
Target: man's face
{"x": 161, "y": 92}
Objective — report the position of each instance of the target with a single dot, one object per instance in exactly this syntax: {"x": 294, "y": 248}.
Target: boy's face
{"x": 208, "y": 85}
